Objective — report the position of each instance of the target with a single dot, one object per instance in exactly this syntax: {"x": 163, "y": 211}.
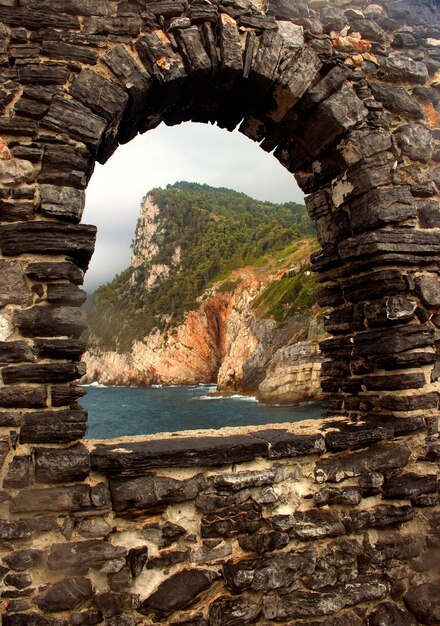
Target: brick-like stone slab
{"x": 74, "y": 240}
{"x": 180, "y": 452}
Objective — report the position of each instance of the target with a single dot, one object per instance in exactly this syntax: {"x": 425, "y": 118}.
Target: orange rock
{"x": 5, "y": 153}
{"x": 351, "y": 44}
{"x": 432, "y": 116}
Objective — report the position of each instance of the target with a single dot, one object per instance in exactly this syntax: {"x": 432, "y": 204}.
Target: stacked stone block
{"x": 346, "y": 94}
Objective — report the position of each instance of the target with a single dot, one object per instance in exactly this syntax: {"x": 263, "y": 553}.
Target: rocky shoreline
{"x": 244, "y": 355}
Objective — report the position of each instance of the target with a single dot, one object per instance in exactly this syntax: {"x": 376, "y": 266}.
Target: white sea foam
{"x": 234, "y": 397}
{"x": 95, "y": 384}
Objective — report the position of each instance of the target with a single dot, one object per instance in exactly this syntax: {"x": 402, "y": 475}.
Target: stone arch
{"x": 347, "y": 98}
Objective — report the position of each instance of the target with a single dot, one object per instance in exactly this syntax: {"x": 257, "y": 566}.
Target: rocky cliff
{"x": 242, "y": 333}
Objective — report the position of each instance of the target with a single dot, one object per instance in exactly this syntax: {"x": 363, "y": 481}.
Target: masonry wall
{"x": 331, "y": 523}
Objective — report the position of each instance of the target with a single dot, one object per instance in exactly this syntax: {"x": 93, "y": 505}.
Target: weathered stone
{"x": 22, "y": 396}
{"x": 72, "y": 498}
{"x": 232, "y": 611}
{"x": 167, "y": 558}
{"x": 311, "y": 524}
{"x": 178, "y": 591}
{"x": 232, "y": 521}
{"x": 181, "y": 451}
{"x": 75, "y": 119}
{"x": 304, "y": 604}
{"x": 392, "y": 548}
{"x": 99, "y": 94}
{"x": 50, "y": 321}
{"x": 156, "y": 53}
{"x": 424, "y": 602}
{"x": 377, "y": 284}
{"x": 403, "y": 68}
{"x": 297, "y": 77}
{"x": 13, "y": 289}
{"x": 76, "y": 241}
{"x": 55, "y": 271}
{"x": 410, "y": 485}
{"x": 18, "y": 473}
{"x": 208, "y": 502}
{"x": 22, "y": 560}
{"x": 335, "y": 116}
{"x": 382, "y": 206}
{"x": 378, "y": 458}
{"x": 134, "y": 78}
{"x": 389, "y": 310}
{"x": 71, "y": 349}
{"x": 332, "y": 495}
{"x": 415, "y": 141}
{"x": 62, "y": 50}
{"x": 15, "y": 352}
{"x": 389, "y": 614}
{"x": 230, "y": 46}
{"x": 42, "y": 74}
{"x": 100, "y": 494}
{"x": 65, "y": 595}
{"x": 61, "y": 465}
{"x": 394, "y": 383}
{"x": 271, "y": 572}
{"x": 197, "y": 60}
{"x": 136, "y": 559}
{"x": 429, "y": 288}
{"x": 114, "y": 605}
{"x": 45, "y": 373}
{"x": 153, "y": 492}
{"x": 348, "y": 436}
{"x": 264, "y": 542}
{"x": 53, "y": 426}
{"x": 19, "y": 581}
{"x": 390, "y": 241}
{"x": 206, "y": 554}
{"x": 381, "y": 516}
{"x": 94, "y": 527}
{"x": 283, "y": 444}
{"x": 120, "y": 581}
{"x": 163, "y": 534}
{"x": 4, "y": 449}
{"x": 66, "y": 395}
{"x": 12, "y": 531}
{"x": 63, "y": 202}
{"x": 128, "y": 26}
{"x": 397, "y": 99}
{"x": 86, "y": 618}
{"x": 83, "y": 554}
{"x": 66, "y": 165}
{"x": 243, "y": 480}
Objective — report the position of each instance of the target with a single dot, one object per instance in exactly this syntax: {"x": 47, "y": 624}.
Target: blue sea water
{"x": 123, "y": 411}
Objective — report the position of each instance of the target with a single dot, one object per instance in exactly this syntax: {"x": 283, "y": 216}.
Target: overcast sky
{"x": 193, "y": 152}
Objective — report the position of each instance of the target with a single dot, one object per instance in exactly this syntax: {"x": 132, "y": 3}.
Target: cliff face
{"x": 242, "y": 333}
{"x": 226, "y": 342}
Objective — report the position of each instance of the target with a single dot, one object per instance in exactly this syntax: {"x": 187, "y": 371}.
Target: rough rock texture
{"x": 346, "y": 96}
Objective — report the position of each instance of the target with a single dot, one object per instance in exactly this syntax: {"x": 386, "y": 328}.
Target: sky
{"x": 193, "y": 152}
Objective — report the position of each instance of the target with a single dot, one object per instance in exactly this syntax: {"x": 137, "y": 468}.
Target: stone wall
{"x": 346, "y": 94}
{"x": 320, "y": 523}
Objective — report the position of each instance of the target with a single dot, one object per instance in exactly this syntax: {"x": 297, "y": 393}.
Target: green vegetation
{"x": 217, "y": 231}
{"x": 290, "y": 296}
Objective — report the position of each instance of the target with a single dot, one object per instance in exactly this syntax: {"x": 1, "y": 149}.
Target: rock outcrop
{"x": 226, "y": 342}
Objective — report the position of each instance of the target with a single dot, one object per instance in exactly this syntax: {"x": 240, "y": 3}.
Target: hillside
{"x": 219, "y": 290}
{"x": 188, "y": 236}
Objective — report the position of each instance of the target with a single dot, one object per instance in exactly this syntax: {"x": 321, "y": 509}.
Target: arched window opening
{"x": 216, "y": 302}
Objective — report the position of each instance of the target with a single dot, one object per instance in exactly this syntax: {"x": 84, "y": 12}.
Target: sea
{"x": 125, "y": 411}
